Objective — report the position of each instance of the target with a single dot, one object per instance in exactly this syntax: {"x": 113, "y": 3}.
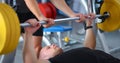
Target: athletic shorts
{"x": 24, "y": 17}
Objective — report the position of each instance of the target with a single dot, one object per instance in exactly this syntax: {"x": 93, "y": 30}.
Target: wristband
{"x": 88, "y": 27}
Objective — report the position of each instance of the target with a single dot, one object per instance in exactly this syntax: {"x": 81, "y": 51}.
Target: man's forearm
{"x": 90, "y": 40}
{"x": 29, "y": 55}
{"x": 33, "y": 6}
{"x": 61, "y": 4}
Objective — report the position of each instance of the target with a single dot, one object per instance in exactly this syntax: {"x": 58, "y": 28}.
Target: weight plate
{"x": 112, "y": 23}
{"x": 12, "y": 17}
{"x": 53, "y": 9}
{"x": 16, "y": 28}
{"x": 4, "y": 33}
{"x": 12, "y": 28}
{"x": 45, "y": 10}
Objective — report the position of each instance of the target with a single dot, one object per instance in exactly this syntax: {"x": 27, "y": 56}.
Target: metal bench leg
{"x": 60, "y": 40}
{"x": 46, "y": 41}
{"x": 8, "y": 58}
{"x": 103, "y": 42}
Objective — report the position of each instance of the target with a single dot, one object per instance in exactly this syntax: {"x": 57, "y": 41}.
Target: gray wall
{"x": 0, "y": 0}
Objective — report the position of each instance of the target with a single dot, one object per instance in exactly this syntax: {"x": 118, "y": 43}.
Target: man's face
{"x": 48, "y": 52}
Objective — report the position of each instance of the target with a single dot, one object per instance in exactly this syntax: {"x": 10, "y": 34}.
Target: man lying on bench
{"x": 54, "y": 54}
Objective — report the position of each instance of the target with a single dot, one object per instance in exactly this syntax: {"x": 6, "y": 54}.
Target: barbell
{"x": 10, "y": 26}
{"x": 67, "y": 19}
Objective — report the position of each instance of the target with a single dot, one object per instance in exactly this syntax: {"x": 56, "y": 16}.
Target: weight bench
{"x": 58, "y": 29}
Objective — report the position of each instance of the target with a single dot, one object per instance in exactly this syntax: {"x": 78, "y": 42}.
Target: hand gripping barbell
{"x": 10, "y": 26}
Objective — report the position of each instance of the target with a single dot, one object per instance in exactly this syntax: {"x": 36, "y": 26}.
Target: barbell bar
{"x": 68, "y": 19}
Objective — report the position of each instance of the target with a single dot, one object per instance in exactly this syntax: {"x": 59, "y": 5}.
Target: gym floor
{"x": 112, "y": 39}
